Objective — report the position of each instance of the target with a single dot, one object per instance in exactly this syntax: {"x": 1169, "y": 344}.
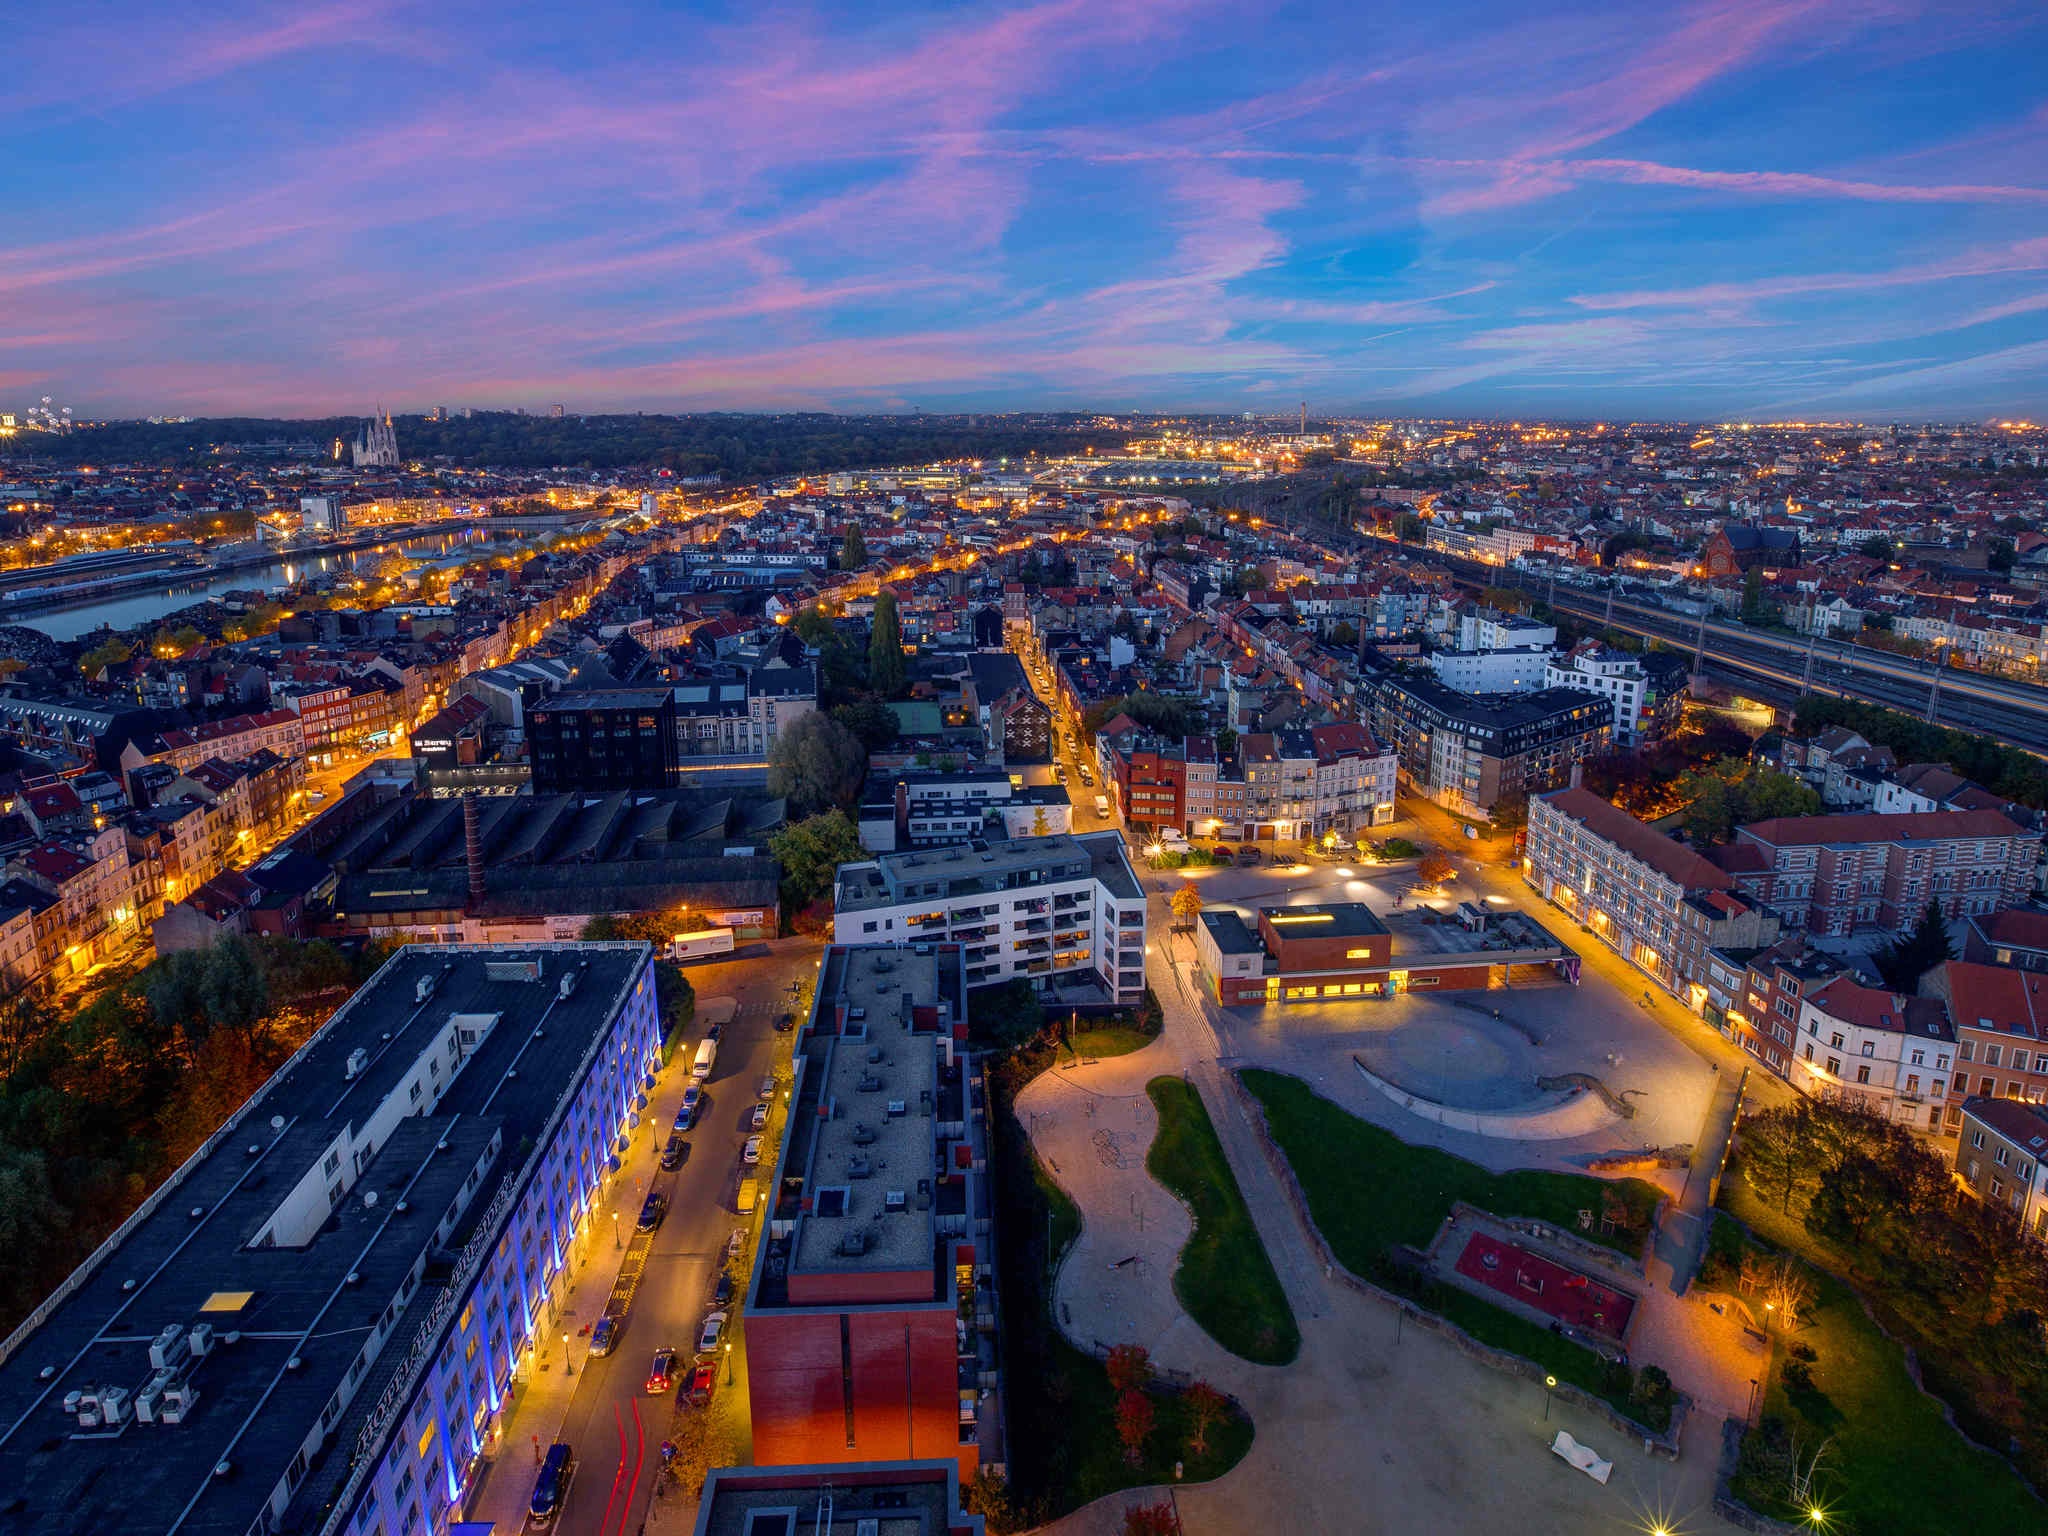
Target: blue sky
{"x": 1730, "y": 208}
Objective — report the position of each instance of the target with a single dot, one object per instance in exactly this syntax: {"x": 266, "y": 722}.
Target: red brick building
{"x": 1343, "y": 950}
{"x": 871, "y": 1312}
{"x": 1836, "y": 874}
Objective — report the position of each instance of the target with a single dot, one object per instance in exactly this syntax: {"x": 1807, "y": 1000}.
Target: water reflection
{"x": 134, "y": 608}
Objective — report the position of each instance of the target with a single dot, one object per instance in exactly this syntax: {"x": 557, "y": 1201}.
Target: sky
{"x": 1703, "y": 210}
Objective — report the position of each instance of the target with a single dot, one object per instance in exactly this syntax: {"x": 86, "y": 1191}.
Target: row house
{"x": 88, "y": 876}
{"x": 279, "y": 730}
{"x": 2000, "y": 1015}
{"x": 1836, "y": 874}
{"x": 31, "y": 932}
{"x": 1889, "y": 1052}
{"x": 2002, "y": 1158}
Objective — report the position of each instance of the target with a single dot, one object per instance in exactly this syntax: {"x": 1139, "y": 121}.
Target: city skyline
{"x": 1830, "y": 208}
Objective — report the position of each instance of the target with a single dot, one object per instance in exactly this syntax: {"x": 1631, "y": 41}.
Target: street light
{"x": 1549, "y": 1386}
{"x": 568, "y": 1365}
{"x": 728, "y": 1363}
{"x": 616, "y": 1241}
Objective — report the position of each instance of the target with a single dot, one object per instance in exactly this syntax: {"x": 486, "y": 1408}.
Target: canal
{"x": 134, "y": 608}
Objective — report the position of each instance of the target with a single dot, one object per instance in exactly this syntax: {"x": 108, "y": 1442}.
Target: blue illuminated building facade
{"x": 315, "y": 1324}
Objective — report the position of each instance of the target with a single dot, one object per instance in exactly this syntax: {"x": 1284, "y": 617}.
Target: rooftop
{"x": 968, "y": 869}
{"x": 244, "y": 1236}
{"x": 1336, "y": 920}
{"x": 1671, "y": 859}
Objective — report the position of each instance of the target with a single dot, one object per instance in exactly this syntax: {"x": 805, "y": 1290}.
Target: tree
{"x": 1006, "y": 1015}
{"x": 1753, "y": 595}
{"x": 886, "y": 671}
{"x": 1902, "y": 962}
{"x": 109, "y": 653}
{"x": 1187, "y": 905}
{"x": 1134, "y": 1416}
{"x": 1765, "y": 793}
{"x": 1408, "y": 528}
{"x": 853, "y": 554}
{"x": 1510, "y": 813}
{"x": 810, "y": 853}
{"x": 1129, "y": 1367}
{"x": 1205, "y": 1409}
{"x": 1878, "y": 547}
{"x": 1709, "y": 817}
{"x": 1434, "y": 869}
{"x": 815, "y": 764}
{"x": 2002, "y": 556}
{"x": 32, "y": 1221}
{"x": 1226, "y": 745}
{"x": 871, "y": 720}
{"x": 1159, "y": 1519}
{"x": 1343, "y": 635}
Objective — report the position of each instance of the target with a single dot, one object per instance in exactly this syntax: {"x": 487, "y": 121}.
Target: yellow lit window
{"x": 427, "y": 1439}
{"x": 1357, "y": 954}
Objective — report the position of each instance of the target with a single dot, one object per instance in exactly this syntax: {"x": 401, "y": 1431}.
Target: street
{"x": 603, "y": 1409}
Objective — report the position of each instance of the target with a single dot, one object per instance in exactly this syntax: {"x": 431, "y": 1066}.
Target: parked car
{"x": 651, "y": 1213}
{"x": 785, "y": 1023}
{"x": 698, "y": 1386}
{"x": 721, "y": 1292}
{"x": 677, "y": 1152}
{"x": 715, "y": 1032}
{"x": 750, "y": 1152}
{"x": 713, "y": 1331}
{"x": 662, "y": 1374}
{"x": 1247, "y": 856}
{"x": 1059, "y": 773}
{"x": 551, "y": 1484}
{"x": 604, "y": 1335}
{"x": 765, "y": 1089}
{"x": 758, "y": 1117}
{"x": 735, "y": 1243}
{"x": 693, "y": 1097}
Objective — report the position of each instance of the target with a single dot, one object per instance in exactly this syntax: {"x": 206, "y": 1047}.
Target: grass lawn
{"x": 1893, "y": 1463}
{"x": 1113, "y": 1041}
{"x": 1225, "y": 1278}
{"x": 1059, "y": 1396}
{"x": 1370, "y": 1191}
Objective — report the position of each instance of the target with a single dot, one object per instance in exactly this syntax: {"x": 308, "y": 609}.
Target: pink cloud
{"x": 2019, "y": 256}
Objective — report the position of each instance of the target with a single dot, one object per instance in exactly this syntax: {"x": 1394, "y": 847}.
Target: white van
{"x": 1102, "y": 806}
{"x": 707, "y": 1053}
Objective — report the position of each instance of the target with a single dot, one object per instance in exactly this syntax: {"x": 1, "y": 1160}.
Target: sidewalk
{"x": 539, "y": 1404}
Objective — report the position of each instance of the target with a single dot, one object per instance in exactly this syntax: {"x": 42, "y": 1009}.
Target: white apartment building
{"x": 1591, "y": 667}
{"x": 1490, "y": 630}
{"x": 1064, "y": 912}
{"x": 1515, "y": 669}
{"x": 1889, "y": 1051}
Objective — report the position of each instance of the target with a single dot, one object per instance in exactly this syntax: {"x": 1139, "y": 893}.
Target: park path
{"x": 1375, "y": 1426}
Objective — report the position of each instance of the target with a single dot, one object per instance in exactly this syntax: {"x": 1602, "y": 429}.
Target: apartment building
{"x": 903, "y": 1498}
{"x": 1763, "y": 1013}
{"x": 1884, "y": 1050}
{"x": 1513, "y": 669}
{"x": 1597, "y": 668}
{"x": 871, "y": 1308}
{"x": 910, "y": 808}
{"x": 1652, "y": 900}
{"x": 1064, "y": 912}
{"x": 2002, "y": 1158}
{"x": 1836, "y": 874}
{"x": 2000, "y": 1014}
{"x": 1354, "y": 779}
{"x": 604, "y": 739}
{"x": 1468, "y": 753}
{"x": 319, "y": 1322}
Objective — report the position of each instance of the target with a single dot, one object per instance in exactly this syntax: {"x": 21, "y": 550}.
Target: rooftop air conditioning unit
{"x": 893, "y": 1201}
{"x": 567, "y": 983}
{"x": 201, "y": 1338}
{"x": 424, "y": 989}
{"x": 357, "y": 1060}
{"x": 115, "y": 1405}
{"x": 168, "y": 1347}
{"x": 896, "y": 1107}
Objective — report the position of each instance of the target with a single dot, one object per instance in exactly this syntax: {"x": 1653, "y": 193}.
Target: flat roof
{"x": 1233, "y": 935}
{"x": 908, "y": 1498}
{"x": 254, "y": 1407}
{"x": 861, "y": 1146}
{"x": 987, "y": 866}
{"x": 1337, "y": 919}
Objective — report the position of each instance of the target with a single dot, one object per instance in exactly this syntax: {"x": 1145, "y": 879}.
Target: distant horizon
{"x": 1718, "y": 211}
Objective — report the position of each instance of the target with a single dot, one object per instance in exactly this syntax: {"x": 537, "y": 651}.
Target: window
{"x": 1870, "y": 1048}
{"x": 1834, "y": 1066}
{"x": 1836, "y": 1040}
{"x": 1998, "y": 1157}
{"x": 1919, "y": 1058}
{"x": 1912, "y": 1082}
{"x": 1863, "y": 1074}
{"x": 1990, "y": 1055}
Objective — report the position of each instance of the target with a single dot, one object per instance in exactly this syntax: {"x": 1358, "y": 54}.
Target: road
{"x": 604, "y": 1410}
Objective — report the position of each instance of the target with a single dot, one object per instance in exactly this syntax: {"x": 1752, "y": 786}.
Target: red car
{"x": 699, "y": 1385}
{"x": 662, "y": 1374}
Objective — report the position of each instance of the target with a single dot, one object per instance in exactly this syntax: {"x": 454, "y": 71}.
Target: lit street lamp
{"x": 728, "y": 1363}
{"x": 1549, "y": 1386}
{"x": 568, "y": 1365}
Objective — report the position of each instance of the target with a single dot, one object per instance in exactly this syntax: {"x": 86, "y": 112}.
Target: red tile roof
{"x": 1669, "y": 858}
{"x": 1919, "y": 826}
